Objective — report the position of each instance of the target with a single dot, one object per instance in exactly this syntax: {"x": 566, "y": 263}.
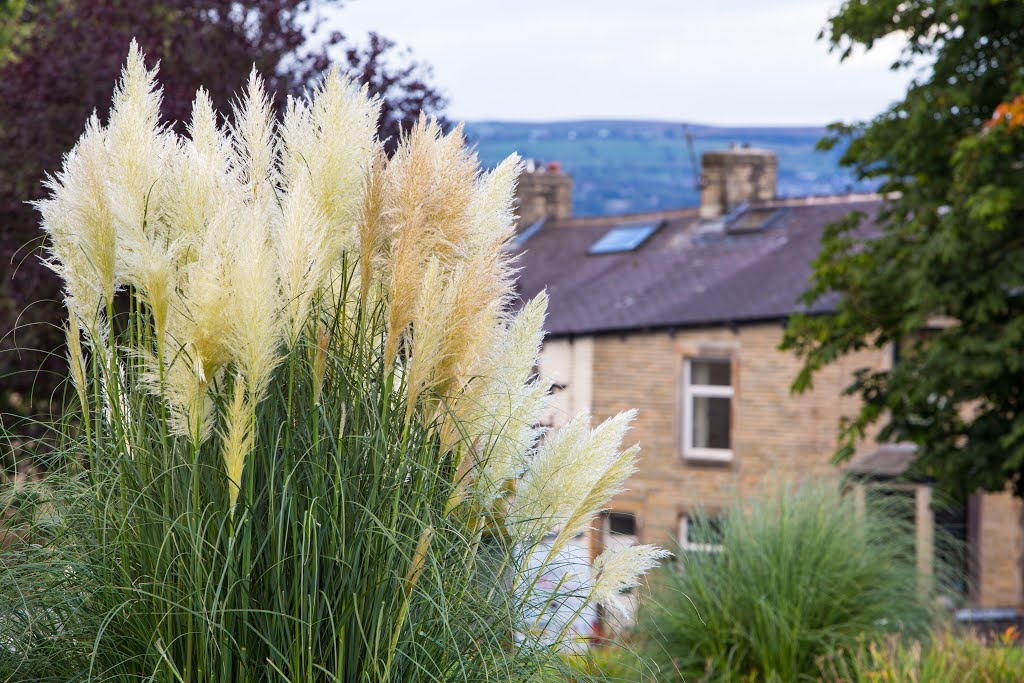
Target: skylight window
{"x": 527, "y": 234}
{"x": 625, "y": 237}
{"x": 750, "y": 220}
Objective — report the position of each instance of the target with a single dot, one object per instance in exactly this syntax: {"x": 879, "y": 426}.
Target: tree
{"x": 10, "y": 10}
{"x": 65, "y": 58}
{"x": 405, "y": 89}
{"x": 942, "y": 279}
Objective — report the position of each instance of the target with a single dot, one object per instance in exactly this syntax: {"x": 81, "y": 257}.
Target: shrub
{"x": 305, "y": 442}
{"x": 800, "y": 574}
{"x": 610, "y": 662}
{"x": 944, "y": 658}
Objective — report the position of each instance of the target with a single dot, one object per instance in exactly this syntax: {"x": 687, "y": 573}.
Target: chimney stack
{"x": 543, "y": 192}
{"x": 735, "y": 176}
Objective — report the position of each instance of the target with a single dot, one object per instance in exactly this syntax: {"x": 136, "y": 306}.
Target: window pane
{"x": 710, "y": 372}
{"x": 619, "y": 532}
{"x": 624, "y": 238}
{"x": 711, "y": 418}
{"x": 704, "y": 530}
{"x": 621, "y": 523}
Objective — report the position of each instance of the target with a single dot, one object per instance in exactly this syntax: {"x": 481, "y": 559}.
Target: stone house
{"x": 680, "y": 314}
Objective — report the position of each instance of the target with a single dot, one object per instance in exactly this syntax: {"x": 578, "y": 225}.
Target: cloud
{"x": 725, "y": 62}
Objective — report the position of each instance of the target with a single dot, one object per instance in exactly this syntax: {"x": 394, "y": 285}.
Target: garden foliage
{"x": 800, "y": 574}
{"x": 305, "y": 443}
{"x": 945, "y": 658}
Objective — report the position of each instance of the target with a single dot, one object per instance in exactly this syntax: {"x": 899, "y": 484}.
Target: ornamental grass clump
{"x": 801, "y": 574}
{"x": 303, "y": 443}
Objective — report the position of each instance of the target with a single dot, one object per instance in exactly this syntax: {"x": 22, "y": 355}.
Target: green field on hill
{"x": 624, "y": 167}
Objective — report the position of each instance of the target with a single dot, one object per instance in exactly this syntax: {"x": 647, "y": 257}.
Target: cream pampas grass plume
{"x": 300, "y": 241}
{"x": 329, "y": 143}
{"x": 254, "y": 142}
{"x": 77, "y": 218}
{"x": 273, "y": 292}
{"x": 498, "y": 414}
{"x": 619, "y": 570}
{"x": 139, "y": 151}
{"x": 255, "y": 308}
{"x": 199, "y": 177}
{"x": 572, "y": 477}
{"x": 76, "y": 360}
{"x": 236, "y": 439}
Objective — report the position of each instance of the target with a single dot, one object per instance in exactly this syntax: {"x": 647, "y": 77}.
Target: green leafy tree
{"x": 942, "y": 277}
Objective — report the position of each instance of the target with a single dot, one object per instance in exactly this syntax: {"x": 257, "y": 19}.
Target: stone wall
{"x": 776, "y": 436}
{"x": 732, "y": 177}
{"x": 998, "y": 551}
{"x": 543, "y": 194}
{"x": 569, "y": 364}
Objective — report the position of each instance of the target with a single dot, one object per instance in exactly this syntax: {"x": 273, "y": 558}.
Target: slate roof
{"x": 689, "y": 273}
{"x": 888, "y": 460}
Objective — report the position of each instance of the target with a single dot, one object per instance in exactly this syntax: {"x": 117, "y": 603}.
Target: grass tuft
{"x": 800, "y": 574}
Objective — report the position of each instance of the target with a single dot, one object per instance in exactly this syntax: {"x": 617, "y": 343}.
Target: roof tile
{"x": 684, "y": 274}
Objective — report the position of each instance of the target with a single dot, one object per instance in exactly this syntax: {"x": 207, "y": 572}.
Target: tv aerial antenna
{"x": 688, "y": 134}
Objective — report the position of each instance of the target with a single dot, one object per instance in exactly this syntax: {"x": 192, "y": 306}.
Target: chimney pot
{"x": 736, "y": 176}
{"x": 543, "y": 192}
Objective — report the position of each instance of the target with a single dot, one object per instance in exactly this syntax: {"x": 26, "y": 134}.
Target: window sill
{"x": 701, "y": 547}
{"x": 707, "y": 455}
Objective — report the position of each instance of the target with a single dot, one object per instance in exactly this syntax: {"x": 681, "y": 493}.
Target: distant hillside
{"x": 630, "y": 166}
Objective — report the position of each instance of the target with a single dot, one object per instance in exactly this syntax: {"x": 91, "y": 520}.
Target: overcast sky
{"x": 701, "y": 61}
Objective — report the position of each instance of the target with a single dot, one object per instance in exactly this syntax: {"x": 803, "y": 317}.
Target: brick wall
{"x": 734, "y": 176}
{"x": 998, "y": 551}
{"x": 569, "y": 364}
{"x": 543, "y": 194}
{"x": 776, "y": 436}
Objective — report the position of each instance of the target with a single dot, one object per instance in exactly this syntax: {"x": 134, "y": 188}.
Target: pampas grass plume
{"x": 76, "y": 360}
{"x": 77, "y": 218}
{"x": 618, "y": 570}
{"x": 236, "y": 439}
{"x": 573, "y": 476}
{"x": 248, "y": 243}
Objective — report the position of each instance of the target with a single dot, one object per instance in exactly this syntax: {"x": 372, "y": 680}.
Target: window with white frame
{"x": 700, "y": 533}
{"x": 618, "y": 531}
{"x": 707, "y": 409}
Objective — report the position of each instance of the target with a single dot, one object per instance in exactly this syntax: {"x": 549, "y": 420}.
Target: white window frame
{"x": 687, "y": 546}
{"x": 619, "y": 541}
{"x": 690, "y": 391}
